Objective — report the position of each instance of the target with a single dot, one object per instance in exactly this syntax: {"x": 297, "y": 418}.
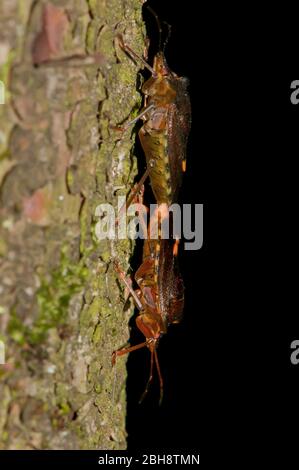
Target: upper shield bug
{"x": 167, "y": 119}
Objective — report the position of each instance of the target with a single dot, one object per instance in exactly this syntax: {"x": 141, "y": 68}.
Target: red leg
{"x": 175, "y": 249}
{"x": 138, "y": 188}
{"x": 136, "y": 192}
{"x": 128, "y": 124}
{"x": 128, "y": 285}
{"x": 127, "y": 350}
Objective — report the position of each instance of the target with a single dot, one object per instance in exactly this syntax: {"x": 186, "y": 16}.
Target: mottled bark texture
{"x": 61, "y": 306}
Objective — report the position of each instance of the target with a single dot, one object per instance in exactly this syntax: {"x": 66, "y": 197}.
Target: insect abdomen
{"x": 155, "y": 147}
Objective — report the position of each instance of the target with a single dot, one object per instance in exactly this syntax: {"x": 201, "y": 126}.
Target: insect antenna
{"x": 149, "y": 379}
{"x": 160, "y": 29}
{"x": 158, "y": 25}
{"x": 160, "y": 377}
{"x": 135, "y": 56}
{"x": 168, "y": 35}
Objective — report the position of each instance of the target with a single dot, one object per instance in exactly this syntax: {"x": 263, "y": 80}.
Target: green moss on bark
{"x": 62, "y": 311}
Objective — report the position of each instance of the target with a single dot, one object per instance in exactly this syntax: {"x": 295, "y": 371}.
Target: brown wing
{"x": 170, "y": 284}
{"x": 178, "y": 125}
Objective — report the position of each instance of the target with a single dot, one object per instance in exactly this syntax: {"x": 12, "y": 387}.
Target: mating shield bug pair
{"x": 167, "y": 119}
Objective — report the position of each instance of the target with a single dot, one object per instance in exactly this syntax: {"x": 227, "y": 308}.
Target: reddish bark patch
{"x": 48, "y": 42}
{"x": 35, "y": 207}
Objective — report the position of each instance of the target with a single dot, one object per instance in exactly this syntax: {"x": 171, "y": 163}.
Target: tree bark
{"x": 61, "y": 307}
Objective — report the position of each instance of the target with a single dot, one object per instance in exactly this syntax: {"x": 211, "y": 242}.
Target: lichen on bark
{"x": 61, "y": 310}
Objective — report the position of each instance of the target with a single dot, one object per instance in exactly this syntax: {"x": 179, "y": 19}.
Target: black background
{"x": 230, "y": 389}
{"x": 179, "y": 423}
{"x": 227, "y": 371}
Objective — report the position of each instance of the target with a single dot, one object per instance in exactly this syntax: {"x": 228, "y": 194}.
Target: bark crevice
{"x": 61, "y": 312}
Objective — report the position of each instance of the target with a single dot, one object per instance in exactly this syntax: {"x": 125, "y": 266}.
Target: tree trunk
{"x": 61, "y": 307}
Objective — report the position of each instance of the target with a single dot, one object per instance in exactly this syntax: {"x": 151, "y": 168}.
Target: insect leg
{"x": 137, "y": 189}
{"x": 134, "y": 192}
{"x": 175, "y": 249}
{"x": 127, "y": 350}
{"x": 128, "y": 285}
{"x": 130, "y": 123}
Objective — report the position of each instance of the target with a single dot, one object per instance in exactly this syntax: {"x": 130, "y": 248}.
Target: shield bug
{"x": 159, "y": 298}
{"x": 167, "y": 120}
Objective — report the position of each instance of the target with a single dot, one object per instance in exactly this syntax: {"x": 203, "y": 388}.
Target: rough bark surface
{"x": 61, "y": 306}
